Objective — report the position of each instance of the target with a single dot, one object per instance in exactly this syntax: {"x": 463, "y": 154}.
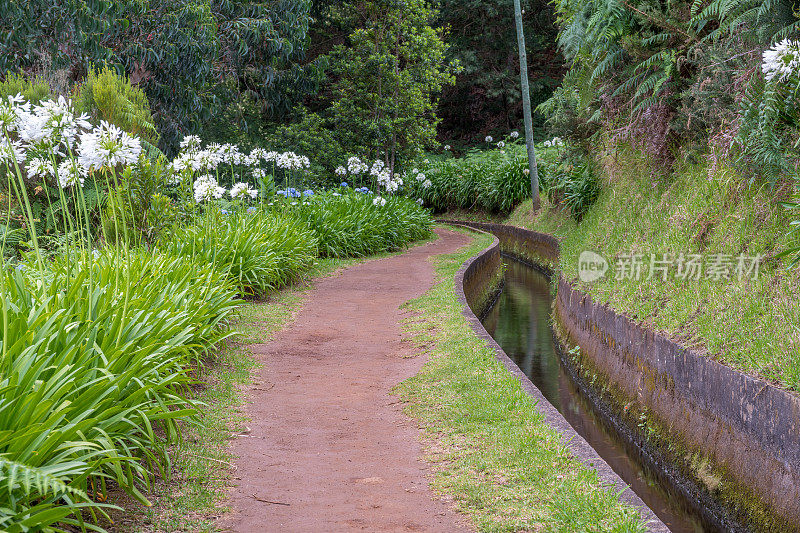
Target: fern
{"x": 31, "y": 494}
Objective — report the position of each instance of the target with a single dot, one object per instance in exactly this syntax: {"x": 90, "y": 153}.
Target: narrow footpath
{"x": 329, "y": 448}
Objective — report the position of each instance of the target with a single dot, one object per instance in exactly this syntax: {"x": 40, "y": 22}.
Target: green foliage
{"x": 34, "y": 89}
{"x": 486, "y": 97}
{"x": 138, "y": 211}
{"x": 496, "y": 180}
{"x": 568, "y": 178}
{"x": 380, "y": 98}
{"x": 351, "y": 226}
{"x": 670, "y": 74}
{"x": 309, "y": 133}
{"x": 95, "y": 361}
{"x": 195, "y": 59}
{"x": 493, "y": 180}
{"x": 105, "y": 95}
{"x": 258, "y": 252}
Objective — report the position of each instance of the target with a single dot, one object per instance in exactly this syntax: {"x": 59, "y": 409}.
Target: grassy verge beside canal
{"x": 489, "y": 447}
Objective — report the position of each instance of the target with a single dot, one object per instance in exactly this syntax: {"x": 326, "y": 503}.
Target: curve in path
{"x": 329, "y": 449}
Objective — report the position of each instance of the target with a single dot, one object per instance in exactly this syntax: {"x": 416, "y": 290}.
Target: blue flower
{"x": 251, "y": 210}
{"x": 343, "y": 184}
{"x": 281, "y": 192}
{"x": 223, "y": 211}
{"x": 308, "y": 192}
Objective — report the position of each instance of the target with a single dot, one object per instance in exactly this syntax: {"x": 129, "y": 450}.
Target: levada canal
{"x": 519, "y": 320}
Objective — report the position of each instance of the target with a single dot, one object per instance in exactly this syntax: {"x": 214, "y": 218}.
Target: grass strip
{"x": 488, "y": 445}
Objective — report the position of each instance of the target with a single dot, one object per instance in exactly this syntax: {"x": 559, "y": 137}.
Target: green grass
{"x": 750, "y": 325}
{"x": 486, "y": 441}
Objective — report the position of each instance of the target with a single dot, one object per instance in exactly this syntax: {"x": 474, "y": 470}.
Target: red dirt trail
{"x": 329, "y": 448}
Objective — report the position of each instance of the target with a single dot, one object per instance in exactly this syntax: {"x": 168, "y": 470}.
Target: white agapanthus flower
{"x": 107, "y": 146}
{"x": 356, "y": 166}
{"x": 447, "y": 147}
{"x": 555, "y": 141}
{"x": 229, "y": 153}
{"x": 242, "y": 190}
{"x": 259, "y": 173}
{"x": 190, "y": 143}
{"x": 40, "y": 167}
{"x": 11, "y": 151}
{"x": 341, "y": 171}
{"x": 489, "y": 139}
{"x": 501, "y": 144}
{"x": 52, "y": 124}
{"x": 70, "y": 173}
{"x": 393, "y": 185}
{"x": 379, "y": 201}
{"x": 514, "y": 134}
{"x": 426, "y": 184}
{"x": 421, "y": 177}
{"x": 13, "y": 112}
{"x": 257, "y": 154}
{"x": 781, "y": 60}
{"x": 378, "y": 168}
{"x": 206, "y": 188}
{"x": 419, "y": 201}
{"x": 292, "y": 161}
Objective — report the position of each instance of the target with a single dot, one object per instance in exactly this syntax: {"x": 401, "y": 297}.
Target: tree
{"x": 526, "y": 105}
{"x": 385, "y": 81}
{"x": 195, "y": 59}
{"x": 486, "y": 97}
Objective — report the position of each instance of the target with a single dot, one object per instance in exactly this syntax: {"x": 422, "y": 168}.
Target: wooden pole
{"x": 526, "y": 106}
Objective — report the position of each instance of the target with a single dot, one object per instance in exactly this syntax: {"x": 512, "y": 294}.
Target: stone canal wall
{"x": 732, "y": 441}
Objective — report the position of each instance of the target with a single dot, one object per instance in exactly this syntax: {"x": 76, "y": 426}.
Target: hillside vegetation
{"x": 750, "y": 324}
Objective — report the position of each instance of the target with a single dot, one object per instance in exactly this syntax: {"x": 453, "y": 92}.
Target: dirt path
{"x": 329, "y": 448}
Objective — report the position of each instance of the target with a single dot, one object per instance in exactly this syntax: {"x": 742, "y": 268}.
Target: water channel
{"x": 519, "y": 321}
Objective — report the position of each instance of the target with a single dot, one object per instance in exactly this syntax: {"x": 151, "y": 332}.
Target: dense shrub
{"x": 568, "y": 178}
{"x": 94, "y": 370}
{"x": 105, "y": 95}
{"x": 352, "y": 225}
{"x": 496, "y": 180}
{"x": 34, "y": 89}
{"x": 493, "y": 180}
{"x": 196, "y": 60}
{"x": 257, "y": 251}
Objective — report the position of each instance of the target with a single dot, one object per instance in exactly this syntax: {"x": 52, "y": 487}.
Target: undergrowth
{"x": 749, "y": 324}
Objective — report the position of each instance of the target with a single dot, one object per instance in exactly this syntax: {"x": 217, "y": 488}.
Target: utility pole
{"x": 526, "y": 106}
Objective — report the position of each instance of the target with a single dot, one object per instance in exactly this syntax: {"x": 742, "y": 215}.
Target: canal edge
{"x": 490, "y": 258}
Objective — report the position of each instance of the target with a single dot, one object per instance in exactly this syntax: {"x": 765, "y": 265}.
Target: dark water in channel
{"x": 520, "y": 323}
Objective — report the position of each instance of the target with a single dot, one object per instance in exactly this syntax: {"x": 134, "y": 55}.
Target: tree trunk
{"x": 526, "y": 106}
